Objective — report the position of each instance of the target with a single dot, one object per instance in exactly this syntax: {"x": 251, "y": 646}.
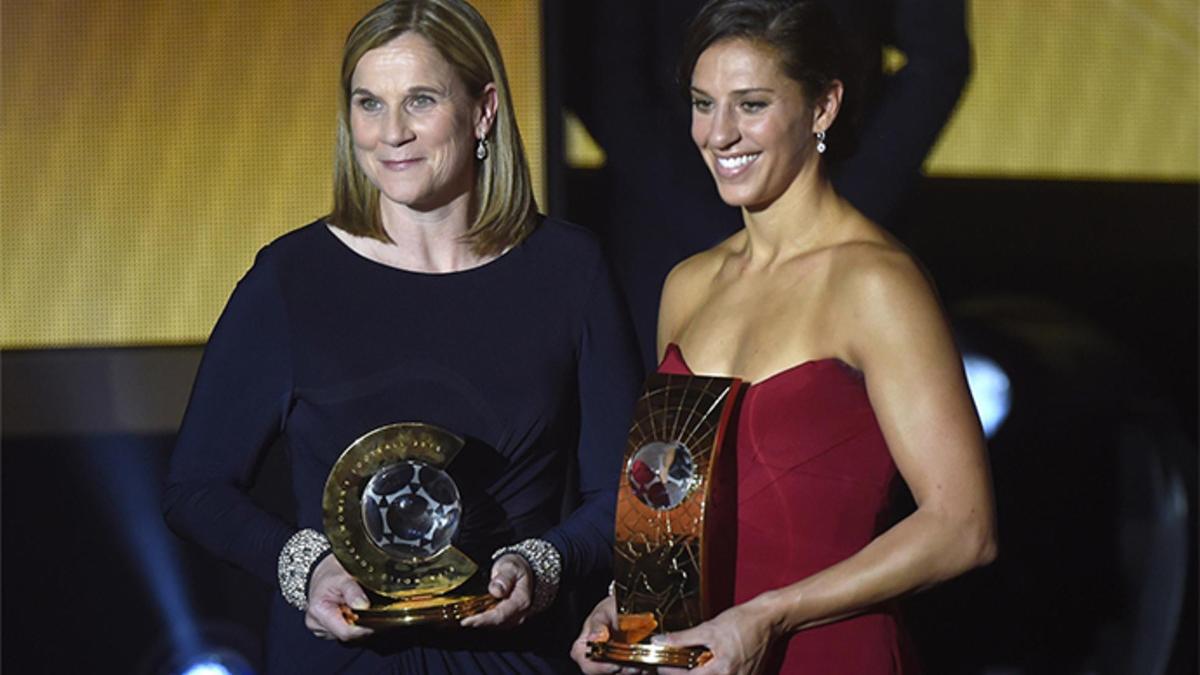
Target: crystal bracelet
{"x": 546, "y": 564}
{"x": 296, "y": 561}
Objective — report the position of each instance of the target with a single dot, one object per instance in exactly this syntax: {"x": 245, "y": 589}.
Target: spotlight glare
{"x": 220, "y": 662}
{"x": 206, "y": 668}
{"x": 989, "y": 389}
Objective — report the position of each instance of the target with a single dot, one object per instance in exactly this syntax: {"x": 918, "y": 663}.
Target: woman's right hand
{"x": 330, "y": 587}
{"x": 600, "y": 624}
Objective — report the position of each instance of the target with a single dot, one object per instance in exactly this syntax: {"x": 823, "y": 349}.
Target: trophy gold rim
{"x": 648, "y": 655}
{"x": 368, "y": 563}
{"x": 435, "y": 610}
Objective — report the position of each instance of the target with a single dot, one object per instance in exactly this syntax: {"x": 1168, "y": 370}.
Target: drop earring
{"x": 481, "y": 151}
{"x": 821, "y": 142}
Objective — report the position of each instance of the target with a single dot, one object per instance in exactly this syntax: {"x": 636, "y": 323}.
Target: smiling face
{"x": 414, "y": 125}
{"x": 753, "y": 124}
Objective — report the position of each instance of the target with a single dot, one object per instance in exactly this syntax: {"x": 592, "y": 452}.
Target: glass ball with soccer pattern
{"x": 662, "y": 474}
{"x": 411, "y": 510}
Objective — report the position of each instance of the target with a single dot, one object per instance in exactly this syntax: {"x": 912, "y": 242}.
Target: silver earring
{"x": 481, "y": 152}
{"x": 821, "y": 142}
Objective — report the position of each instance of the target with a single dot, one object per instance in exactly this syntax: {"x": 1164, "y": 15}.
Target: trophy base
{"x": 648, "y": 655}
{"x": 438, "y": 610}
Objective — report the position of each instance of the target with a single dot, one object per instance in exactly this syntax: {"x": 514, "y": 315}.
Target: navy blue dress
{"x": 529, "y": 357}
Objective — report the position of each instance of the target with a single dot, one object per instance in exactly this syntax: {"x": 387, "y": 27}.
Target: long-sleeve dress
{"x": 529, "y": 357}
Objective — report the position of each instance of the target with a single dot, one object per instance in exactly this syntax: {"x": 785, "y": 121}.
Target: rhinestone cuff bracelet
{"x": 546, "y": 564}
{"x": 295, "y": 561}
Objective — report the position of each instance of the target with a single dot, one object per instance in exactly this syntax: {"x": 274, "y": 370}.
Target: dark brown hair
{"x": 804, "y": 35}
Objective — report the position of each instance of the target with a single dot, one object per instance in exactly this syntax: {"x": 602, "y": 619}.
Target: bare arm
{"x": 897, "y": 336}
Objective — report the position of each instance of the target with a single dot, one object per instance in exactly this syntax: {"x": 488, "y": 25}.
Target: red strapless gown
{"x": 813, "y": 479}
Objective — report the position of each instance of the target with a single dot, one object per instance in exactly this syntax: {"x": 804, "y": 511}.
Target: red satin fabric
{"x": 813, "y": 479}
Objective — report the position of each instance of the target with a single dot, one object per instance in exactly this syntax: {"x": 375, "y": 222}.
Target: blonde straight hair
{"x": 503, "y": 208}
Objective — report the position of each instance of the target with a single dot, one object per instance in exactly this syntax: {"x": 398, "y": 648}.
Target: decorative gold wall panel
{"x": 150, "y": 148}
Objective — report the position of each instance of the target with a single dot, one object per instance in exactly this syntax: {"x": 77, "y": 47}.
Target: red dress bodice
{"x": 813, "y": 480}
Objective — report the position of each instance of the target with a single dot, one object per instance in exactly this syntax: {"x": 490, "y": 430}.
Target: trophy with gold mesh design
{"x": 391, "y": 513}
{"x": 673, "y": 556}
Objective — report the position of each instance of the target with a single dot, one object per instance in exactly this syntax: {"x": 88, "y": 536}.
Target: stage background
{"x": 148, "y": 149}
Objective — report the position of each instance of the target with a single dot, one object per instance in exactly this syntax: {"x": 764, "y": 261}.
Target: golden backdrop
{"x": 150, "y": 148}
{"x": 1079, "y": 89}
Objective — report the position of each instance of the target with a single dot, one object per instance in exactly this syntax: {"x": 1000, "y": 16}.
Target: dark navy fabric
{"x": 529, "y": 357}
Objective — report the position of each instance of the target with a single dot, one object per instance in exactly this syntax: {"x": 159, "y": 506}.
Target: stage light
{"x": 127, "y": 481}
{"x": 206, "y": 668}
{"x": 990, "y": 390}
{"x": 217, "y": 663}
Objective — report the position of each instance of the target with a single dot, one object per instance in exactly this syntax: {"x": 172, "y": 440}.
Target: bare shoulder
{"x": 882, "y": 303}
{"x": 873, "y": 275}
{"x": 686, "y": 288}
{"x": 694, "y": 269}
{"x": 689, "y": 280}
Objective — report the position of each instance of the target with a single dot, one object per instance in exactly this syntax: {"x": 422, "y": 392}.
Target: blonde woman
{"x": 433, "y": 292}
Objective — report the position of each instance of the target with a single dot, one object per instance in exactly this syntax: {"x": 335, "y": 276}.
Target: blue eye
{"x": 369, "y": 104}
{"x": 420, "y": 101}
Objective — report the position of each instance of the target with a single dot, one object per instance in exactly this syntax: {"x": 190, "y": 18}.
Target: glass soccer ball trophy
{"x": 391, "y": 513}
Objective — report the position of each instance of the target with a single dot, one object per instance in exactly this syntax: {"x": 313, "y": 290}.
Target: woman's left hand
{"x": 738, "y": 638}
{"x": 512, "y": 584}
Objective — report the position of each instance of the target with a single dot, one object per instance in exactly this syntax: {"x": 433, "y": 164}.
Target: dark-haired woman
{"x": 854, "y": 377}
{"x": 433, "y": 293}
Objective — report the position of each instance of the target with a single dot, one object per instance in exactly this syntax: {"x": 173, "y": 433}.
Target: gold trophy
{"x": 391, "y": 512}
{"x": 673, "y": 553}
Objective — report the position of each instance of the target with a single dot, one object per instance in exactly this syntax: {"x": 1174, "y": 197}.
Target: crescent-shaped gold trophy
{"x": 391, "y": 512}
{"x": 676, "y": 517}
